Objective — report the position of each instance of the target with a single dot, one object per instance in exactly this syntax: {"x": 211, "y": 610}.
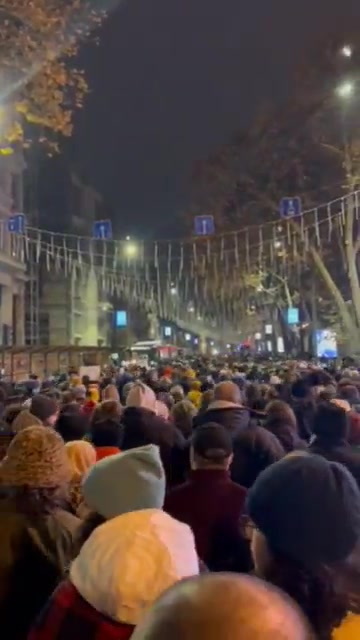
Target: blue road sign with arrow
{"x": 102, "y": 230}
{"x": 290, "y": 207}
{"x": 16, "y": 224}
{"x": 204, "y": 225}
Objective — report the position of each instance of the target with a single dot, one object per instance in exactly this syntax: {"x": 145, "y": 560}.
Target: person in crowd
{"x": 125, "y": 482}
{"x": 226, "y": 409}
{"x": 177, "y": 393}
{"x": 111, "y": 393}
{"x": 162, "y": 410}
{"x": 281, "y": 421}
{"x": 303, "y": 404}
{"x": 107, "y": 410}
{"x": 254, "y": 450}
{"x": 207, "y": 399}
{"x": 37, "y": 534}
{"x": 142, "y": 426}
{"x": 42, "y": 411}
{"x": 11, "y": 413}
{"x": 183, "y": 413}
{"x": 72, "y": 425}
{"x": 210, "y": 503}
{"x": 123, "y": 567}
{"x": 351, "y": 395}
{"x": 82, "y": 456}
{"x": 195, "y": 394}
{"x": 306, "y": 516}
{"x": 106, "y": 436}
{"x": 331, "y": 433}
{"x": 225, "y": 606}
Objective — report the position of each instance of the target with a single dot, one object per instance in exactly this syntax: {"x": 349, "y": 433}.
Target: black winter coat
{"x": 338, "y": 451}
{"x": 142, "y": 427}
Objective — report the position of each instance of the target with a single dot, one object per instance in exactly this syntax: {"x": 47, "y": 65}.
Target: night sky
{"x": 171, "y": 79}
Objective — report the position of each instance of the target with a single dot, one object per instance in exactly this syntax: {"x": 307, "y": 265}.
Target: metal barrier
{"x": 19, "y": 362}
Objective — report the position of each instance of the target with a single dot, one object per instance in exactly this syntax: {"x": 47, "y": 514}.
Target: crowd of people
{"x": 185, "y": 502}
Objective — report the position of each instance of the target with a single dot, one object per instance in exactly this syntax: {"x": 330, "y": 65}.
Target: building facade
{"x": 12, "y": 270}
{"x": 66, "y": 309}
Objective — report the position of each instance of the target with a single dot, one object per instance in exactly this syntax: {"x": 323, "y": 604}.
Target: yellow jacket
{"x": 196, "y": 398}
{"x": 349, "y": 630}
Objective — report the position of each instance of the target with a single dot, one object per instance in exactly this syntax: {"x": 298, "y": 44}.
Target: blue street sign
{"x": 102, "y": 230}
{"x": 292, "y": 315}
{"x": 204, "y": 225}
{"x": 290, "y": 207}
{"x": 16, "y": 224}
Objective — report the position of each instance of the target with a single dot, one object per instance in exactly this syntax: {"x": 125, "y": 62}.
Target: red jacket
{"x": 68, "y": 616}
{"x": 211, "y": 504}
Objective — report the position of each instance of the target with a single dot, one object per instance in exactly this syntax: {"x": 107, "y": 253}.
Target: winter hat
{"x": 140, "y": 395}
{"x": 37, "y": 458}
{"x": 81, "y": 456}
{"x": 128, "y": 562}
{"x": 128, "y": 481}
{"x": 23, "y": 420}
{"x": 308, "y": 509}
{"x": 43, "y": 407}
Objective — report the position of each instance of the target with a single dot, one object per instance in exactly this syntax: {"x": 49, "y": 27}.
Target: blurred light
{"x": 173, "y": 290}
{"x": 212, "y": 343}
{"x": 346, "y": 51}
{"x": 191, "y": 308}
{"x": 257, "y": 336}
{"x": 215, "y": 352}
{"x": 345, "y": 90}
{"x": 278, "y": 244}
{"x": 228, "y": 346}
{"x": 128, "y": 238}
{"x": 131, "y": 250}
{"x": 187, "y": 337}
{"x": 196, "y": 340}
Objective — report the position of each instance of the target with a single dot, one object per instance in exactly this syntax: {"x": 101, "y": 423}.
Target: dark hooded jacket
{"x": 142, "y": 427}
{"x": 235, "y": 418}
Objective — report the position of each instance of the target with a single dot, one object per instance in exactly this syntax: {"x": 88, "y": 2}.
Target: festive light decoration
{"x": 219, "y": 278}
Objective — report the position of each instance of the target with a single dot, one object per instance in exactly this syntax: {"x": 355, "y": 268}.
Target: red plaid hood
{"x": 68, "y": 615}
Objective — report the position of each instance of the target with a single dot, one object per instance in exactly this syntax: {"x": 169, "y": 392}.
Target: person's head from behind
{"x": 350, "y": 393}
{"x": 177, "y": 393}
{"x": 211, "y": 447}
{"x": 331, "y": 422}
{"x": 131, "y": 560}
{"x": 81, "y": 456}
{"x": 302, "y": 549}
{"x": 107, "y": 433}
{"x": 36, "y": 470}
{"x": 129, "y": 481}
{"x": 140, "y": 396}
{"x": 280, "y": 412}
{"x": 182, "y": 414}
{"x": 72, "y": 425}
{"x": 107, "y": 410}
{"x": 231, "y": 606}
{"x": 111, "y": 393}
{"x": 45, "y": 409}
{"x": 227, "y": 391}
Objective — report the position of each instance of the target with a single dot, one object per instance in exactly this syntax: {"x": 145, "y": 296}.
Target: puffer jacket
{"x": 35, "y": 551}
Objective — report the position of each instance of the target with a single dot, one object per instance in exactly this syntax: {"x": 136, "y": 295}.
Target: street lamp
{"x": 173, "y": 290}
{"x": 346, "y": 51}
{"x": 345, "y": 90}
{"x": 130, "y": 249}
